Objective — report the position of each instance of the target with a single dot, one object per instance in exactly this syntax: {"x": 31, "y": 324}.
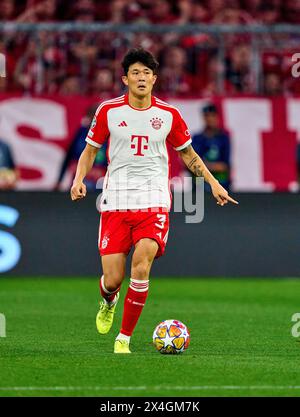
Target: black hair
{"x": 139, "y": 55}
{"x": 209, "y": 108}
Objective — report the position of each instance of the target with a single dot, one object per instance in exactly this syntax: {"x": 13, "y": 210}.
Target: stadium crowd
{"x": 191, "y": 65}
{"x": 152, "y": 11}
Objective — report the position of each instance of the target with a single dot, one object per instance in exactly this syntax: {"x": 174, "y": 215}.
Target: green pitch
{"x": 241, "y": 342}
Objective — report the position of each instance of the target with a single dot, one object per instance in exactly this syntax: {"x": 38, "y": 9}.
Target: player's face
{"x": 140, "y": 79}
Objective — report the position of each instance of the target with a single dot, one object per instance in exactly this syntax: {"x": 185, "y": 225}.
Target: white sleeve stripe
{"x": 164, "y": 103}
{"x": 159, "y": 103}
{"x": 118, "y": 100}
{"x": 188, "y": 142}
{"x": 91, "y": 142}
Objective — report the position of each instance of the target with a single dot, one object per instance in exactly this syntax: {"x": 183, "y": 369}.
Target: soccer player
{"x": 136, "y": 199}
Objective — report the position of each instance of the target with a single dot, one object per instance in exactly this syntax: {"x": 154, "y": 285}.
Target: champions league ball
{"x": 171, "y": 337}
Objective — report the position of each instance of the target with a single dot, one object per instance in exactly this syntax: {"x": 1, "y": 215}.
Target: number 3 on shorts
{"x": 162, "y": 219}
{"x": 163, "y": 225}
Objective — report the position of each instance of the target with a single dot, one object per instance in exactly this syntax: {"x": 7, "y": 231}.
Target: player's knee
{"x": 111, "y": 287}
{"x": 112, "y": 281}
{"x": 140, "y": 270}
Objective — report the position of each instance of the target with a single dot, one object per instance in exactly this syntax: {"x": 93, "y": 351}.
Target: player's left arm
{"x": 195, "y": 164}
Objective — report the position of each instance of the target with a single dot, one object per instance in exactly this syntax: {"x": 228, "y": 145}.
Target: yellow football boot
{"x": 105, "y": 316}
{"x": 121, "y": 346}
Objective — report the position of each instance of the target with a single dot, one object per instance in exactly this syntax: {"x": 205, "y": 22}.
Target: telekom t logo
{"x": 138, "y": 143}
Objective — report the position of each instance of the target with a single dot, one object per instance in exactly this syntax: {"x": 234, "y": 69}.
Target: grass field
{"x": 241, "y": 342}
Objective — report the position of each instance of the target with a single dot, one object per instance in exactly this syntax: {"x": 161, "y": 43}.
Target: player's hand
{"x": 221, "y": 195}
{"x": 78, "y": 191}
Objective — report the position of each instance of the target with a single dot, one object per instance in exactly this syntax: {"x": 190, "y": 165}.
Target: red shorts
{"x": 119, "y": 230}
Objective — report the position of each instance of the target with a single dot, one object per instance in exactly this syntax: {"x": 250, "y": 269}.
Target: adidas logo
{"x": 122, "y": 124}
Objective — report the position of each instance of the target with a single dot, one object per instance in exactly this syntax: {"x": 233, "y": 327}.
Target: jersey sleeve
{"x": 179, "y": 136}
{"x": 98, "y": 133}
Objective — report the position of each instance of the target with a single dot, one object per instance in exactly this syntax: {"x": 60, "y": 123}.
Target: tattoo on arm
{"x": 198, "y": 171}
{"x": 196, "y": 168}
{"x": 191, "y": 163}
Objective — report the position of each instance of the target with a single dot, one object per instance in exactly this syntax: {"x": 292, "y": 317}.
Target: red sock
{"x": 107, "y": 295}
{"x": 133, "y": 305}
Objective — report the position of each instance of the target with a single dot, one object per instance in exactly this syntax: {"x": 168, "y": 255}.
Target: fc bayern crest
{"x": 156, "y": 123}
{"x": 105, "y": 242}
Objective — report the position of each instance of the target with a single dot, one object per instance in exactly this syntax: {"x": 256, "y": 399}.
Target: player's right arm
{"x": 84, "y": 166}
{"x": 180, "y": 138}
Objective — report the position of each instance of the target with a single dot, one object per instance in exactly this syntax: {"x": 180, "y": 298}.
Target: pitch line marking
{"x": 156, "y": 388}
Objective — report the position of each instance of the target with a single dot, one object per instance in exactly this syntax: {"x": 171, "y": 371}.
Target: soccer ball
{"x": 171, "y": 337}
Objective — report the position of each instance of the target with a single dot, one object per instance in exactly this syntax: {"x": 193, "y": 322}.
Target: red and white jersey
{"x": 138, "y": 162}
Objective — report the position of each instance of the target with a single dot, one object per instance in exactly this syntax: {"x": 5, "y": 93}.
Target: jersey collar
{"x": 152, "y": 103}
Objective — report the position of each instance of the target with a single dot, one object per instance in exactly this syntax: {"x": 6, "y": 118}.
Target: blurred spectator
{"x": 200, "y": 14}
{"x": 213, "y": 145}
{"x": 28, "y": 69}
{"x": 185, "y": 11}
{"x": 253, "y": 7}
{"x": 151, "y": 42}
{"x": 210, "y": 86}
{"x": 272, "y": 84}
{"x": 216, "y": 6}
{"x": 81, "y": 58}
{"x": 135, "y": 13}
{"x": 291, "y": 11}
{"x": 39, "y": 11}
{"x": 232, "y": 15}
{"x": 84, "y": 48}
{"x": 269, "y": 14}
{"x": 161, "y": 12}
{"x": 191, "y": 11}
{"x": 70, "y": 86}
{"x": 8, "y": 172}
{"x": 69, "y": 166}
{"x": 238, "y": 70}
{"x": 84, "y": 11}
{"x": 39, "y": 72}
{"x": 127, "y": 12}
{"x": 7, "y": 10}
{"x": 117, "y": 8}
{"x": 103, "y": 84}
{"x": 174, "y": 78}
